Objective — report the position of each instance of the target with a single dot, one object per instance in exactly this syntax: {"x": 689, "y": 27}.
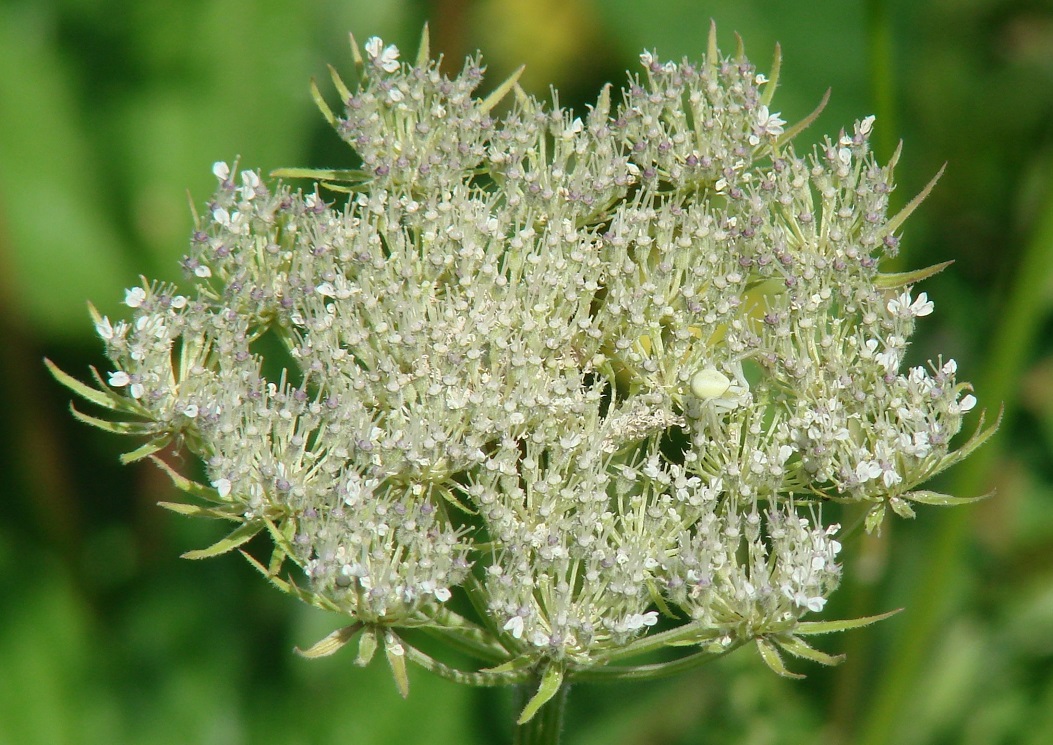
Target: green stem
{"x": 546, "y": 726}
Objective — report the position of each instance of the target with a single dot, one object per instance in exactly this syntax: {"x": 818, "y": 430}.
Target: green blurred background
{"x": 111, "y": 110}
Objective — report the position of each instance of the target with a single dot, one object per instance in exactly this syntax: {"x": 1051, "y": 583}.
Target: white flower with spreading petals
{"x": 514, "y": 625}
{"x": 640, "y": 620}
{"x": 967, "y": 403}
{"x": 134, "y": 297}
{"x": 904, "y": 306}
{"x": 768, "y": 123}
{"x": 386, "y": 58}
{"x": 250, "y": 181}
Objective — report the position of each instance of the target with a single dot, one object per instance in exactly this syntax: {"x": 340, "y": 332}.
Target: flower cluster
{"x": 564, "y": 389}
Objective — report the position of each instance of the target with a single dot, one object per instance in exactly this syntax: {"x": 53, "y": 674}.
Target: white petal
{"x": 134, "y": 297}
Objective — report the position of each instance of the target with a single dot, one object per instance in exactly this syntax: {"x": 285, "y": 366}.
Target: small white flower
{"x": 136, "y": 390}
{"x": 866, "y": 125}
{"x": 222, "y": 487}
{"x": 647, "y": 59}
{"x": 768, "y": 123}
{"x": 386, "y": 58}
{"x": 890, "y": 477}
{"x": 442, "y": 594}
{"x": 815, "y": 604}
{"x": 904, "y": 306}
{"x": 250, "y": 181}
{"x": 890, "y": 358}
{"x": 967, "y": 403}
{"x": 104, "y": 329}
{"x": 640, "y": 620}
{"x": 221, "y": 170}
{"x": 191, "y": 411}
{"x": 221, "y": 216}
{"x": 119, "y": 379}
{"x": 760, "y": 79}
{"x": 867, "y": 470}
{"x": 515, "y": 626}
{"x": 134, "y": 297}
{"x": 573, "y": 128}
{"x": 203, "y": 272}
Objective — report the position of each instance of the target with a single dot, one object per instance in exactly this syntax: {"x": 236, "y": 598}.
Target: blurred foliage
{"x": 110, "y": 110}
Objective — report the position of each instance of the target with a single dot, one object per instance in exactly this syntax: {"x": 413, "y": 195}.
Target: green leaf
{"x": 521, "y": 662}
{"x": 712, "y": 52}
{"x": 278, "y": 557}
{"x": 396, "y": 655}
{"x": 287, "y": 587}
{"x": 457, "y": 632}
{"x": 319, "y": 101}
{"x": 338, "y": 83}
{"x": 773, "y": 77}
{"x": 656, "y": 597}
{"x": 771, "y": 658}
{"x": 806, "y": 628}
{"x": 424, "y": 48}
{"x": 194, "y": 510}
{"x": 451, "y": 498}
{"x": 331, "y": 644}
{"x": 279, "y": 536}
{"x": 367, "y": 646}
{"x": 237, "y": 537}
{"x": 799, "y": 648}
{"x": 193, "y": 488}
{"x": 942, "y": 500}
{"x": 321, "y": 174}
{"x": 901, "y": 508}
{"x": 802, "y": 125}
{"x": 488, "y": 103}
{"x": 117, "y": 428}
{"x": 874, "y": 518}
{"x": 979, "y": 437}
{"x": 356, "y": 54}
{"x": 551, "y": 680}
{"x": 902, "y": 279}
{"x": 101, "y": 398}
{"x": 146, "y": 449}
{"x": 901, "y": 216}
{"x": 340, "y": 188}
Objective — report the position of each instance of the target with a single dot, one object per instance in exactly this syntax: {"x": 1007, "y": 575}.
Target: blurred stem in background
{"x": 880, "y": 55}
{"x": 869, "y": 563}
{"x": 1005, "y": 363}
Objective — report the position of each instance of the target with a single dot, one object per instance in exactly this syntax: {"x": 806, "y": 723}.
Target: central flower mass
{"x": 562, "y": 388}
